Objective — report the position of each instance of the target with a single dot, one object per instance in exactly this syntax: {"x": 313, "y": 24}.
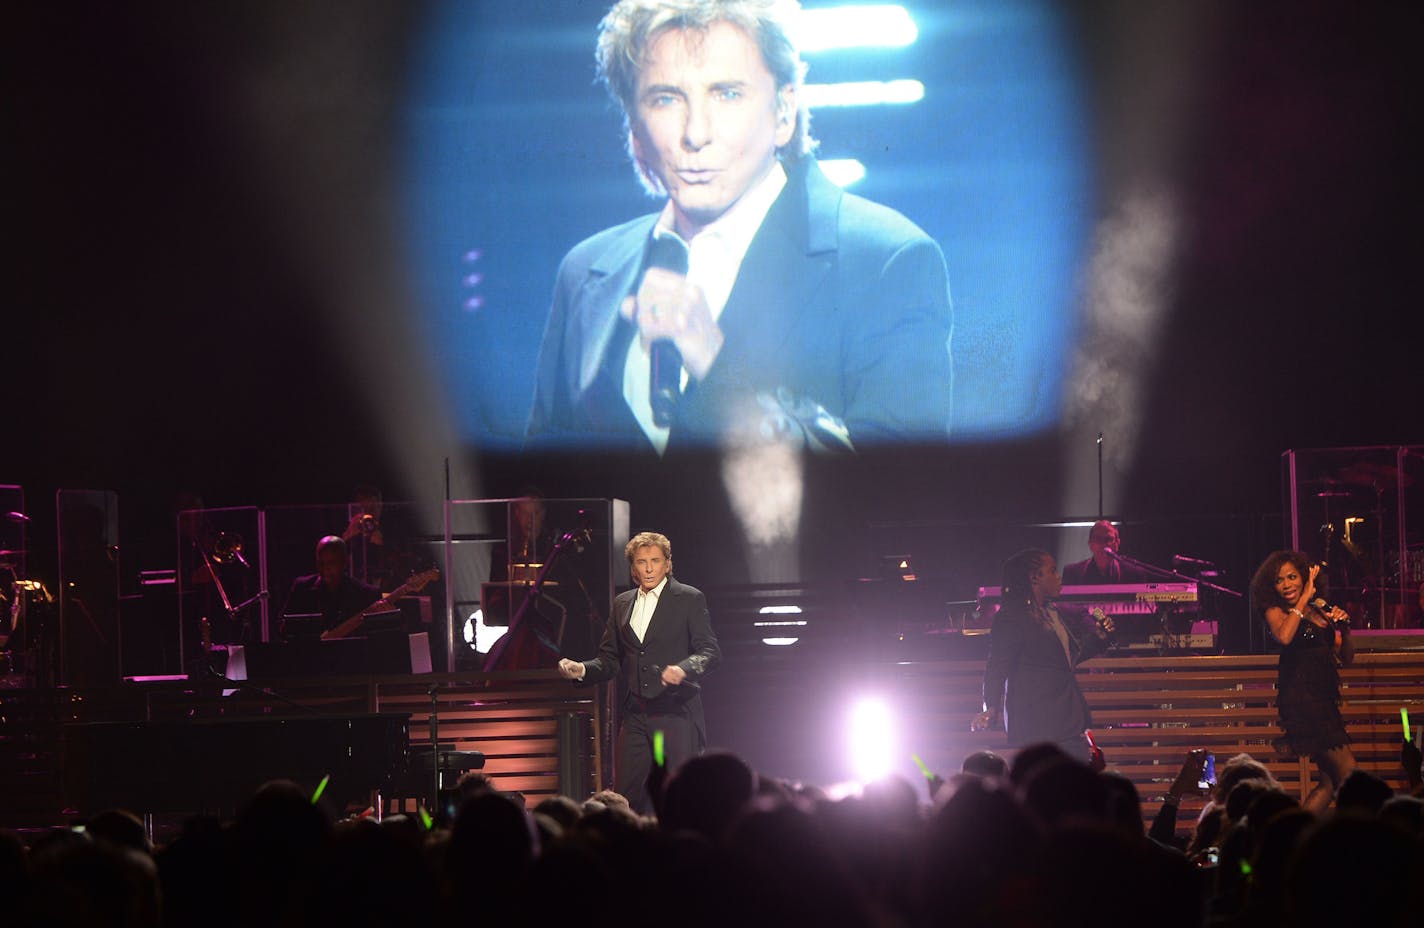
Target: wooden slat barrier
{"x": 1149, "y": 711}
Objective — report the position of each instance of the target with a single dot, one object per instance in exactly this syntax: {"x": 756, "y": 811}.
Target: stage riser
{"x": 538, "y": 733}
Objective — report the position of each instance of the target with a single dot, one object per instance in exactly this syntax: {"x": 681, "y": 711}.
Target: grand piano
{"x": 1154, "y": 616}
{"x": 193, "y": 765}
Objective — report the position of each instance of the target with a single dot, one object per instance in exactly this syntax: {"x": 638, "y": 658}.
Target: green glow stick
{"x": 658, "y": 756}
{"x": 1404, "y": 717}
{"x": 320, "y": 788}
{"x": 425, "y": 819}
{"x": 929, "y": 774}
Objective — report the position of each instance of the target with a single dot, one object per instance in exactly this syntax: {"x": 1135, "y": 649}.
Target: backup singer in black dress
{"x": 1315, "y": 641}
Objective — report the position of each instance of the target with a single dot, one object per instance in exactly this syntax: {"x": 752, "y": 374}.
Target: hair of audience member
{"x": 706, "y": 792}
{"x": 1275, "y": 842}
{"x": 561, "y": 809}
{"x": 365, "y": 862}
{"x": 1093, "y": 873}
{"x": 74, "y": 880}
{"x": 803, "y": 880}
{"x": 1239, "y": 767}
{"x": 1030, "y": 757}
{"x": 1407, "y": 812}
{"x": 473, "y": 783}
{"x": 977, "y": 845}
{"x": 1065, "y": 791}
{"x": 1363, "y": 790}
{"x": 1352, "y": 868}
{"x": 612, "y": 799}
{"x": 985, "y": 764}
{"x": 1240, "y": 797}
{"x": 1266, "y": 804}
{"x": 1124, "y": 803}
{"x": 275, "y": 837}
{"x": 120, "y": 827}
{"x": 493, "y": 841}
{"x": 892, "y": 798}
{"x": 774, "y": 788}
{"x": 547, "y": 828}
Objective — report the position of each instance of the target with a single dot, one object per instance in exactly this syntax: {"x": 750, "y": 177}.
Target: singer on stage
{"x": 658, "y": 645}
{"x": 1315, "y": 640}
{"x": 1028, "y": 681}
{"x": 776, "y": 306}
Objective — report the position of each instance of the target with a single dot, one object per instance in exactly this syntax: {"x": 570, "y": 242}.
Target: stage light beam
{"x": 856, "y": 26}
{"x": 871, "y": 739}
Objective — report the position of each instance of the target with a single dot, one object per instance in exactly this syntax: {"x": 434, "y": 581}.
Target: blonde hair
{"x": 630, "y": 27}
{"x": 648, "y": 540}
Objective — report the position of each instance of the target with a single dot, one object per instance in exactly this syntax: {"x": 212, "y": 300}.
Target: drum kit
{"x": 1362, "y": 560}
{"x": 27, "y": 623}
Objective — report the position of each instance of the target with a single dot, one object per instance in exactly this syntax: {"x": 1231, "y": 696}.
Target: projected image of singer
{"x": 761, "y": 302}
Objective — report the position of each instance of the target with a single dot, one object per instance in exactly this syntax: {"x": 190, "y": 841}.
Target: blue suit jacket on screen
{"x": 840, "y": 303}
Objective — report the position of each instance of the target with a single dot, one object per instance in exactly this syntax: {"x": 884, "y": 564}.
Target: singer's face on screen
{"x": 709, "y": 120}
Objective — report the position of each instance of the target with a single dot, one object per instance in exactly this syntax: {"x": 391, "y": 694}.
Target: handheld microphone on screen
{"x": 670, "y": 253}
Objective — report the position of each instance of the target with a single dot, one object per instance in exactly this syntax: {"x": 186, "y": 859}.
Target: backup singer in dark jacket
{"x": 1028, "y": 681}
{"x": 657, "y": 646}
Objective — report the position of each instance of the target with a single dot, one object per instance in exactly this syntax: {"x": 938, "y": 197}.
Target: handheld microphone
{"x": 1325, "y": 608}
{"x": 670, "y": 253}
{"x": 1110, "y": 553}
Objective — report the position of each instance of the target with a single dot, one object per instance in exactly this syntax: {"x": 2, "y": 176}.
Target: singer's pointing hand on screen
{"x": 667, "y": 306}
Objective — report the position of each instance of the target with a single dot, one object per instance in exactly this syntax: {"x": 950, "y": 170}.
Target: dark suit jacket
{"x": 680, "y": 632}
{"x": 1086, "y": 572}
{"x": 309, "y": 596}
{"x": 1043, "y": 701}
{"x": 840, "y": 303}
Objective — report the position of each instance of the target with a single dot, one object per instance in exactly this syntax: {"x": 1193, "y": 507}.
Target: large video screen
{"x": 924, "y": 289}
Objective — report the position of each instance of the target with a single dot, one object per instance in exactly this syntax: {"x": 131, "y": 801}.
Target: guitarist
{"x": 331, "y": 592}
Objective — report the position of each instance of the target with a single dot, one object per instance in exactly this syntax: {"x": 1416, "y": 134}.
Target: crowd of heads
{"x": 1041, "y": 840}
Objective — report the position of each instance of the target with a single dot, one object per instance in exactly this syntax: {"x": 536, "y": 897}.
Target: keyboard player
{"x": 1104, "y": 566}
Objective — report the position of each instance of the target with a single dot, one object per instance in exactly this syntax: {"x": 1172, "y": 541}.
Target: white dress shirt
{"x": 643, "y": 607}
{"x": 715, "y": 259}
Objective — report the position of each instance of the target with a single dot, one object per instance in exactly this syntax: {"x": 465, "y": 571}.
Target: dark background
{"x": 190, "y": 211}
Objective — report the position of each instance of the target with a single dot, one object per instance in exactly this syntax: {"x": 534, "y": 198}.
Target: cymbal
{"x": 1367, "y": 473}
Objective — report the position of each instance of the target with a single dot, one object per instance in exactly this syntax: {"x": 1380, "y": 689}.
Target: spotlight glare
{"x": 842, "y": 171}
{"x": 871, "y": 739}
{"x": 862, "y": 93}
{"x": 856, "y": 26}
{"x": 480, "y": 636}
{"x": 779, "y": 642}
